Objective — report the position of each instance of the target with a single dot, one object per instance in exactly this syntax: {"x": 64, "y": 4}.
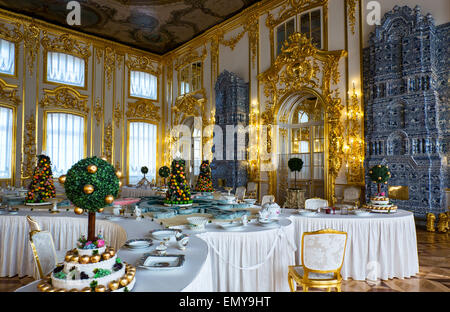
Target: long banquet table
{"x": 379, "y": 246}
{"x": 253, "y": 259}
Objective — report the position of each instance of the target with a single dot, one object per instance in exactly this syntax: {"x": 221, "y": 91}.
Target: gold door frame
{"x": 301, "y": 67}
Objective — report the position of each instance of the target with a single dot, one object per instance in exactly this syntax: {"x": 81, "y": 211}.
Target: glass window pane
{"x": 6, "y": 136}
{"x": 315, "y": 19}
{"x": 7, "y": 58}
{"x": 143, "y": 85}
{"x": 317, "y": 38}
{"x": 290, "y": 28}
{"x": 64, "y": 141}
{"x": 281, "y": 35}
{"x": 65, "y": 68}
{"x": 305, "y": 24}
{"x": 142, "y": 150}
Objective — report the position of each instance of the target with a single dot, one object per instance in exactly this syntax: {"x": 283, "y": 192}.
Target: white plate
{"x": 138, "y": 243}
{"x": 230, "y": 226}
{"x": 38, "y": 204}
{"x": 156, "y": 262}
{"x": 161, "y": 234}
{"x": 308, "y": 213}
{"x": 13, "y": 212}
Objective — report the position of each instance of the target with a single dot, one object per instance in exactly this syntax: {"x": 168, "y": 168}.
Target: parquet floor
{"x": 434, "y": 275}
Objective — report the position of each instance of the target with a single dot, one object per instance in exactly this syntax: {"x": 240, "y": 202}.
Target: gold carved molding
{"x": 8, "y": 93}
{"x": 187, "y": 105}
{"x": 29, "y": 147}
{"x": 108, "y": 142}
{"x": 117, "y": 114}
{"x": 291, "y": 8}
{"x": 355, "y": 144}
{"x": 301, "y": 67}
{"x": 98, "y": 111}
{"x": 109, "y": 64}
{"x": 351, "y": 13}
{"x": 65, "y": 44}
{"x": 142, "y": 63}
{"x": 190, "y": 57}
{"x": 66, "y": 98}
{"x": 31, "y": 35}
{"x": 144, "y": 109}
{"x": 13, "y": 35}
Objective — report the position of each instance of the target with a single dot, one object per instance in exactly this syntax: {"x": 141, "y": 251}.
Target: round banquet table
{"x": 254, "y": 258}
{"x": 379, "y": 246}
{"x": 135, "y": 192}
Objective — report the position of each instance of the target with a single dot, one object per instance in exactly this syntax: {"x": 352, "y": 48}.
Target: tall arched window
{"x": 6, "y": 142}
{"x": 142, "y": 149}
{"x": 64, "y": 140}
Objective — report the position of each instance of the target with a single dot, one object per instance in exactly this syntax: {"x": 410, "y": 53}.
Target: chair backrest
{"x": 323, "y": 250}
{"x": 352, "y": 193}
{"x": 252, "y": 187}
{"x": 315, "y": 203}
{"x": 267, "y": 199}
{"x": 240, "y": 192}
{"x": 34, "y": 226}
{"x": 44, "y": 252}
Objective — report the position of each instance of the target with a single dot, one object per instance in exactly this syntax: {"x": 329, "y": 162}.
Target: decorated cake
{"x": 92, "y": 267}
{"x": 380, "y": 202}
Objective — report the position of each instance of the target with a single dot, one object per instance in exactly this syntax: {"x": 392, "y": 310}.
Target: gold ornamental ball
{"x": 109, "y": 199}
{"x": 113, "y": 285}
{"x": 60, "y": 290}
{"x": 51, "y": 289}
{"x": 129, "y": 277}
{"x": 67, "y": 258}
{"x": 370, "y": 172}
{"x": 112, "y": 252}
{"x": 106, "y": 256}
{"x": 75, "y": 259}
{"x": 85, "y": 259}
{"x": 78, "y": 210}
{"x": 123, "y": 281}
{"x": 62, "y": 179}
{"x": 379, "y": 178}
{"x": 101, "y": 210}
{"x": 379, "y": 166}
{"x": 92, "y": 168}
{"x": 42, "y": 285}
{"x": 88, "y": 189}
{"x": 119, "y": 174}
{"x": 385, "y": 182}
{"x": 86, "y": 289}
{"x": 73, "y": 290}
{"x": 104, "y": 158}
{"x": 100, "y": 288}
{"x": 95, "y": 258}
{"x": 120, "y": 183}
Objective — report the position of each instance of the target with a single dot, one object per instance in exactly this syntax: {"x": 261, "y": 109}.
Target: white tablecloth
{"x": 254, "y": 259}
{"x": 16, "y": 256}
{"x": 137, "y": 192}
{"x": 379, "y": 246}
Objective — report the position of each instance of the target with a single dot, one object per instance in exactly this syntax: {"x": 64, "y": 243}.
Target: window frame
{"x": 12, "y": 179}
{"x": 60, "y": 111}
{"x": 284, "y": 23}
{"x": 322, "y": 24}
{"x": 180, "y": 69}
{"x": 16, "y": 60}
{"x": 86, "y": 71}
{"x": 157, "y": 162}
{"x": 139, "y": 97}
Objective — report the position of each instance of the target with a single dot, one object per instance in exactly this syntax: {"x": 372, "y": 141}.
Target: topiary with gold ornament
{"x": 91, "y": 190}
{"x": 379, "y": 174}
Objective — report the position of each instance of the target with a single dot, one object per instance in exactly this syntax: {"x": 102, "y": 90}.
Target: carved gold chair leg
{"x": 305, "y": 288}
{"x": 338, "y": 288}
{"x": 291, "y": 283}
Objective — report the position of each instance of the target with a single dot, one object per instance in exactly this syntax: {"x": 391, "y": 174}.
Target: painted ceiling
{"x": 157, "y": 26}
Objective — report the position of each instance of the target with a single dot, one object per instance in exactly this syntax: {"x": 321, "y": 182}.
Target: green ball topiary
{"x": 379, "y": 174}
{"x": 164, "y": 172}
{"x": 104, "y": 181}
{"x": 295, "y": 164}
{"x": 144, "y": 170}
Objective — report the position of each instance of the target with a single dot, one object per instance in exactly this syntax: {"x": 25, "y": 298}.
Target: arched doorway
{"x": 301, "y": 121}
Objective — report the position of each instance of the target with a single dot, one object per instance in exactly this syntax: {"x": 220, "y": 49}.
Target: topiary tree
{"x": 91, "y": 184}
{"x": 164, "y": 173}
{"x": 295, "y": 165}
{"x": 41, "y": 187}
{"x": 379, "y": 174}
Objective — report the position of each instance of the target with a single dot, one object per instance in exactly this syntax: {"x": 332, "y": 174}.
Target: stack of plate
{"x": 140, "y": 243}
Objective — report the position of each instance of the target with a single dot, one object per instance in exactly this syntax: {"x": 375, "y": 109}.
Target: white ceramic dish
{"x": 157, "y": 262}
{"x": 229, "y": 226}
{"x": 308, "y": 213}
{"x": 164, "y": 233}
{"x": 113, "y": 218}
{"x": 250, "y": 201}
{"x": 361, "y": 212}
{"x": 139, "y": 243}
{"x": 38, "y": 204}
{"x": 198, "y": 221}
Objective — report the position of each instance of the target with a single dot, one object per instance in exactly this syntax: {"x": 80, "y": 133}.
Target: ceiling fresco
{"x": 157, "y": 26}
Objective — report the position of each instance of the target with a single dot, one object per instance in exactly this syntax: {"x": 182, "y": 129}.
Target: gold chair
{"x": 44, "y": 252}
{"x": 240, "y": 193}
{"x": 322, "y": 258}
{"x": 34, "y": 226}
{"x": 267, "y": 199}
{"x": 252, "y": 189}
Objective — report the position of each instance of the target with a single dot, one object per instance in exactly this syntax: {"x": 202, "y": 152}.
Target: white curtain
{"x": 7, "y": 51}
{"x": 143, "y": 85}
{"x": 65, "y": 68}
{"x": 65, "y": 141}
{"x": 6, "y": 128}
{"x": 142, "y": 150}
{"x": 197, "y": 151}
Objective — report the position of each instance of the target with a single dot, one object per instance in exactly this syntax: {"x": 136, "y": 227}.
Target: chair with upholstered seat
{"x": 240, "y": 193}
{"x": 34, "y": 226}
{"x": 44, "y": 252}
{"x": 322, "y": 258}
{"x": 315, "y": 203}
{"x": 267, "y": 199}
{"x": 252, "y": 189}
{"x": 351, "y": 197}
